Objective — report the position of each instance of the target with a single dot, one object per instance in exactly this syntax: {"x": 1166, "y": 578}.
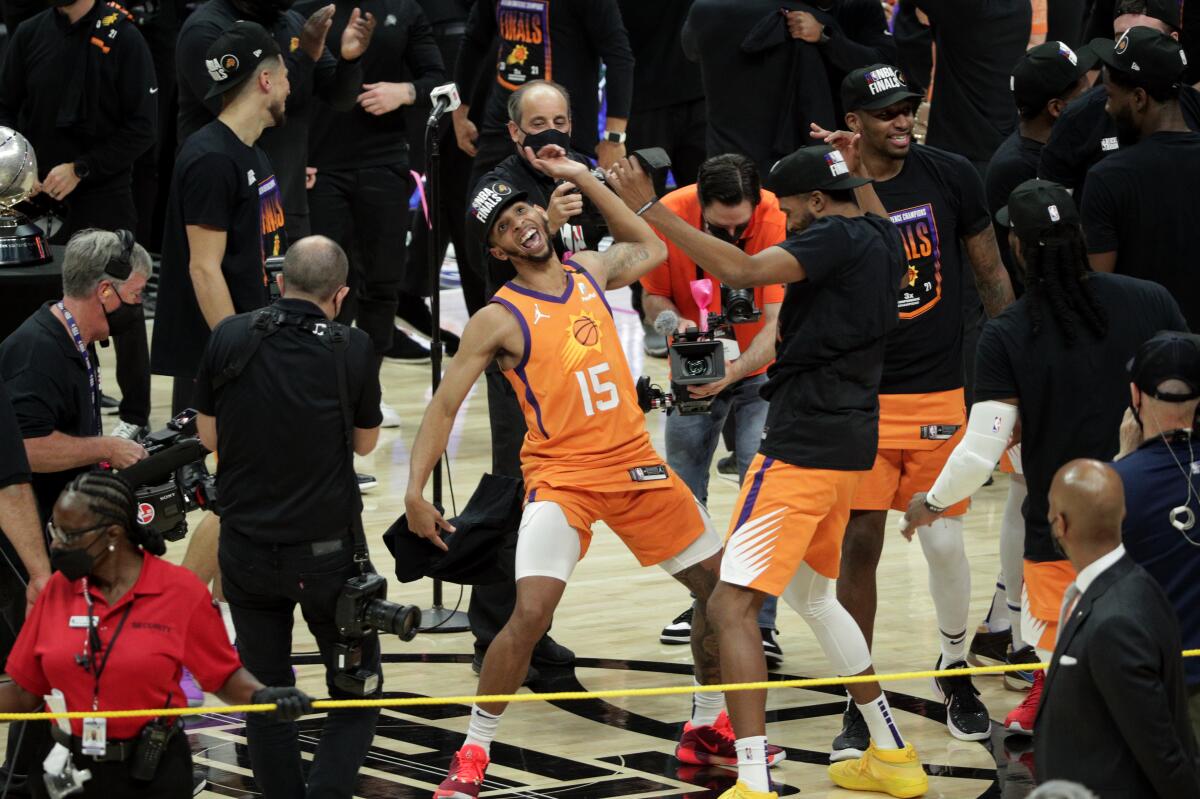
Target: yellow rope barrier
{"x": 561, "y": 696}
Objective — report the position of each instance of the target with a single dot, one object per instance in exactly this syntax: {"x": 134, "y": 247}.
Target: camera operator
{"x": 727, "y": 201}
{"x": 148, "y": 618}
{"x": 53, "y": 381}
{"x": 276, "y": 401}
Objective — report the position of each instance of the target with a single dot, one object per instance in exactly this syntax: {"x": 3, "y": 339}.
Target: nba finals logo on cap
{"x": 487, "y": 199}
{"x": 884, "y": 79}
{"x": 837, "y": 164}
{"x": 1068, "y": 53}
{"x": 219, "y": 68}
{"x": 1122, "y": 43}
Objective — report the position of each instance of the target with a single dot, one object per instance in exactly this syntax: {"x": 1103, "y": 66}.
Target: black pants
{"x": 110, "y": 211}
{"x": 263, "y": 584}
{"x": 680, "y": 130}
{"x": 366, "y": 211}
{"x": 111, "y": 780}
{"x": 152, "y": 170}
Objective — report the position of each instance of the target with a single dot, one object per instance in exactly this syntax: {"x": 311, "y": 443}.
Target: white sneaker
{"x": 128, "y": 430}
{"x": 390, "y": 417}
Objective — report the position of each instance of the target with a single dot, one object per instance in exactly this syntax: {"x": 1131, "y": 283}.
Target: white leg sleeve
{"x": 949, "y": 581}
{"x": 989, "y": 429}
{"x": 814, "y": 598}
{"x": 707, "y": 544}
{"x": 547, "y": 545}
{"x": 1012, "y": 555}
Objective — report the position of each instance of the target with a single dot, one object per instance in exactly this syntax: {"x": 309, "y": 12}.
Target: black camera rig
{"x": 362, "y": 609}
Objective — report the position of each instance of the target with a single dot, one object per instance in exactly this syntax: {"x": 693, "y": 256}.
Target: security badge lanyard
{"x": 93, "y": 371}
{"x": 95, "y": 730}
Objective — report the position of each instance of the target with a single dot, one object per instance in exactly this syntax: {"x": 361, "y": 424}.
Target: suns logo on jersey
{"x": 583, "y": 336}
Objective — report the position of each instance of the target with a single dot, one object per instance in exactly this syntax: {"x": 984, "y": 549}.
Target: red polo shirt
{"x": 673, "y": 278}
{"x": 172, "y": 623}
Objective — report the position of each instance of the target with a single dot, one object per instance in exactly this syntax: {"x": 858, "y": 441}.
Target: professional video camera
{"x": 653, "y": 160}
{"x": 362, "y": 608}
{"x": 172, "y": 481}
{"x": 739, "y": 308}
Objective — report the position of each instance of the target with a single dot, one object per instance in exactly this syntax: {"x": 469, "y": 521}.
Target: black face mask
{"x": 724, "y": 235}
{"x": 536, "y": 141}
{"x": 124, "y": 317}
{"x": 73, "y": 563}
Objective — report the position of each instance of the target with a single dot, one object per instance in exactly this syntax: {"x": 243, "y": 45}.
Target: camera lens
{"x": 740, "y": 303}
{"x": 389, "y": 617}
{"x": 695, "y": 367}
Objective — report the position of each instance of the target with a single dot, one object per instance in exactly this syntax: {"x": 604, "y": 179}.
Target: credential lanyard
{"x": 93, "y": 370}
{"x": 92, "y": 645}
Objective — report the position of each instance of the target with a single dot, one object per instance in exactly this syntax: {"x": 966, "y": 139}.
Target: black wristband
{"x": 646, "y": 207}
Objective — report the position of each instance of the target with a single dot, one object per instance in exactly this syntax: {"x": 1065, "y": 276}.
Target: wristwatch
{"x": 82, "y": 170}
{"x": 614, "y": 136}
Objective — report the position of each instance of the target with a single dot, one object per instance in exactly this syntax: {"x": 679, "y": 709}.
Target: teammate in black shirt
{"x": 842, "y": 261}
{"x": 936, "y": 200}
{"x": 1055, "y": 358}
{"x": 1141, "y": 206}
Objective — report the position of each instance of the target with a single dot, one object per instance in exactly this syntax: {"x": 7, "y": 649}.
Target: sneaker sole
{"x": 983, "y": 660}
{"x": 955, "y": 732}
{"x": 774, "y": 659}
{"x": 838, "y": 755}
{"x": 671, "y": 640}
{"x": 417, "y": 361}
{"x": 1016, "y": 729}
{"x": 1014, "y": 683}
{"x": 908, "y": 789}
{"x": 695, "y": 758}
{"x": 365, "y": 487}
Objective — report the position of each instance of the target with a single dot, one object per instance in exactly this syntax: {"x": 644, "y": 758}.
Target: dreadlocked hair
{"x": 112, "y": 499}
{"x": 1056, "y": 278}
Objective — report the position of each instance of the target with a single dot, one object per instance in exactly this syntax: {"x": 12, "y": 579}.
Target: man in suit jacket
{"x": 1114, "y": 714}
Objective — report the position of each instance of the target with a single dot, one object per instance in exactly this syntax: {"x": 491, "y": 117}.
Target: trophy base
{"x": 22, "y": 243}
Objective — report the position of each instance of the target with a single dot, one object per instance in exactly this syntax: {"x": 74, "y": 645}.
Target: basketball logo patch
{"x": 584, "y": 336}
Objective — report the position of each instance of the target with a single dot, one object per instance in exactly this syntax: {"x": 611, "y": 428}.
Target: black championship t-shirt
{"x": 1144, "y": 203}
{"x": 218, "y": 183}
{"x": 1014, "y": 163}
{"x": 1072, "y": 397}
{"x": 978, "y": 44}
{"x": 936, "y": 201}
{"x": 284, "y": 475}
{"x": 823, "y": 388}
{"x": 47, "y": 381}
{"x": 1085, "y": 133}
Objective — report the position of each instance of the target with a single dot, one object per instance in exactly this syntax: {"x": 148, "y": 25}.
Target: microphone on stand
{"x": 445, "y": 98}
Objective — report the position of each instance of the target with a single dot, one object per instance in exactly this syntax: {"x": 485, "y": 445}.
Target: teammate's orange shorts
{"x": 917, "y": 433}
{"x": 784, "y": 516}
{"x": 1041, "y": 600}
{"x": 655, "y": 523}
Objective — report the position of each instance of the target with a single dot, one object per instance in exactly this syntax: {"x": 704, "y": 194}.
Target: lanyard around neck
{"x": 93, "y": 370}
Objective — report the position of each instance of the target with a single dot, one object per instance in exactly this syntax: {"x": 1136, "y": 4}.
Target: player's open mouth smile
{"x": 531, "y": 239}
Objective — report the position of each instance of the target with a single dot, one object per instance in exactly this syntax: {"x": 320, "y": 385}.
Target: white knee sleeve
{"x": 547, "y": 544}
{"x": 949, "y": 573}
{"x": 814, "y": 598}
{"x": 707, "y": 544}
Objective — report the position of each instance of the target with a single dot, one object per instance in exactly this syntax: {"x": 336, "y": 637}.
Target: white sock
{"x": 949, "y": 583}
{"x": 884, "y": 731}
{"x": 227, "y": 617}
{"x": 706, "y": 706}
{"x": 997, "y": 619}
{"x": 1012, "y": 553}
{"x": 752, "y": 762}
{"x": 482, "y": 729}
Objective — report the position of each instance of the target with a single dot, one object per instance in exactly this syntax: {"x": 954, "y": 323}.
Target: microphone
{"x": 161, "y": 465}
{"x": 445, "y": 98}
{"x": 666, "y": 323}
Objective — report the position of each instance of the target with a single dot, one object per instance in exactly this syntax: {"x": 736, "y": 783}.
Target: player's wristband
{"x": 646, "y": 207}
{"x": 932, "y": 508}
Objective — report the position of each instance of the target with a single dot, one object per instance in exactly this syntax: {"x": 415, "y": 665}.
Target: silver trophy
{"x": 22, "y": 243}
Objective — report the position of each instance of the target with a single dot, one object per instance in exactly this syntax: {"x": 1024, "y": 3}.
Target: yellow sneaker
{"x": 891, "y": 771}
{"x": 740, "y": 791}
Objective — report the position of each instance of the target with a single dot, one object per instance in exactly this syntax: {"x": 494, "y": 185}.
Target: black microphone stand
{"x": 437, "y": 619}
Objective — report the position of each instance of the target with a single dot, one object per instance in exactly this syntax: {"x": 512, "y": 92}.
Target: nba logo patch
{"x": 837, "y": 164}
{"x": 1054, "y": 215}
{"x": 996, "y": 422}
{"x": 1068, "y": 53}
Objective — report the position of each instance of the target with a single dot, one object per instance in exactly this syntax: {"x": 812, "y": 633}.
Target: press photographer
{"x": 286, "y": 397}
{"x": 111, "y": 631}
{"x": 727, "y": 202}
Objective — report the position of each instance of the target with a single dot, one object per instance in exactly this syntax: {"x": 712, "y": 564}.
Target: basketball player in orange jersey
{"x": 586, "y": 456}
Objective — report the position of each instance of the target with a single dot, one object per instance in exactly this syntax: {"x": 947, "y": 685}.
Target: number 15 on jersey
{"x": 598, "y": 394}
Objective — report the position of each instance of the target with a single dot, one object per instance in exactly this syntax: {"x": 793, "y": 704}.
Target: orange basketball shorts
{"x": 1041, "y": 600}
{"x": 912, "y": 449}
{"x": 655, "y": 523}
{"x": 786, "y": 515}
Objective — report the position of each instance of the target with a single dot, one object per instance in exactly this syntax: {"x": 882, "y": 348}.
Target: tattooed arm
{"x": 991, "y": 278}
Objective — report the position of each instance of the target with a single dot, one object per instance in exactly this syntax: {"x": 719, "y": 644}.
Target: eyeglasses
{"x": 61, "y": 536}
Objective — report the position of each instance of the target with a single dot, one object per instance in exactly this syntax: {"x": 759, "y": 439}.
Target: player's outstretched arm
{"x": 484, "y": 337}
{"x": 728, "y": 263}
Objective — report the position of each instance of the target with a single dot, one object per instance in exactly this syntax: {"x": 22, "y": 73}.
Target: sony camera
{"x": 173, "y": 480}
{"x": 738, "y": 306}
{"x": 652, "y": 159}
{"x": 696, "y": 359}
{"x": 362, "y": 609}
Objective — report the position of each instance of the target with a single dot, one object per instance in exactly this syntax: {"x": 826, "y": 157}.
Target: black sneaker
{"x": 771, "y": 648}
{"x": 854, "y": 739}
{"x": 477, "y": 666}
{"x": 199, "y": 779}
{"x": 549, "y": 652}
{"x": 108, "y": 405}
{"x": 1020, "y": 680}
{"x": 966, "y": 717}
{"x": 680, "y": 630}
{"x": 727, "y": 465}
{"x": 366, "y": 482}
{"x": 988, "y": 648}
{"x": 405, "y": 350}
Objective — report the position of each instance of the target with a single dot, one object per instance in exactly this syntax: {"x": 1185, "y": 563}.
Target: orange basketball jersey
{"x": 585, "y": 428}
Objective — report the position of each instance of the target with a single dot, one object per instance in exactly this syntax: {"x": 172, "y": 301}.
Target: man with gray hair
{"x": 277, "y": 391}
{"x": 49, "y": 369}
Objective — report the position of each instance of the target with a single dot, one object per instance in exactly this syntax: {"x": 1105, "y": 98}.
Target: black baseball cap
{"x": 1168, "y": 355}
{"x": 1037, "y": 206}
{"x": 811, "y": 169}
{"x": 875, "y": 87}
{"x": 1046, "y": 71}
{"x": 1163, "y": 10}
{"x": 1143, "y": 53}
{"x": 489, "y": 202}
{"x": 235, "y": 54}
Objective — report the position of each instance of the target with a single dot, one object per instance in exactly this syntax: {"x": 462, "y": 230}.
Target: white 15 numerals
{"x": 601, "y": 395}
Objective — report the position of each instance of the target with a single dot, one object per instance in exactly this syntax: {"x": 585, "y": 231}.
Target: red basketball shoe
{"x": 465, "y": 777}
{"x": 713, "y": 745}
{"x": 1020, "y": 720}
